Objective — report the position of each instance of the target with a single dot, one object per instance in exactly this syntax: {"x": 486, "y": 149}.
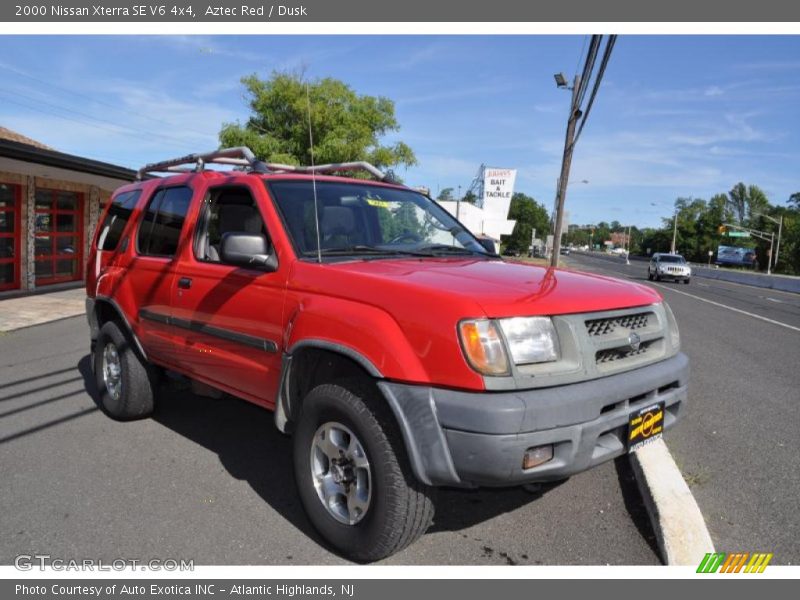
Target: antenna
{"x": 313, "y": 177}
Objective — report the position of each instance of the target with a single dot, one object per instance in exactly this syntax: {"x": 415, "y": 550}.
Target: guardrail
{"x": 785, "y": 283}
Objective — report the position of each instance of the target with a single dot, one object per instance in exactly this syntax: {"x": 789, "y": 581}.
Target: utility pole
{"x": 533, "y": 237}
{"x": 674, "y": 232}
{"x": 779, "y": 222}
{"x": 769, "y": 256}
{"x": 628, "y": 246}
{"x": 561, "y": 194}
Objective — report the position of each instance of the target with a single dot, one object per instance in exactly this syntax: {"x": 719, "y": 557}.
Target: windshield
{"x": 361, "y": 218}
{"x": 671, "y": 259}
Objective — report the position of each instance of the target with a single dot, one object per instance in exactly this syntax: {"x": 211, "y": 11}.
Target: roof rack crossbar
{"x": 242, "y": 156}
{"x": 331, "y": 168}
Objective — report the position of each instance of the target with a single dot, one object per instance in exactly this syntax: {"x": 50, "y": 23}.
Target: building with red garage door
{"x": 49, "y": 206}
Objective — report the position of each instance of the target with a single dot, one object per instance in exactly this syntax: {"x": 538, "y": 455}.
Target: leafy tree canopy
{"x": 528, "y": 214}
{"x": 346, "y": 126}
{"x": 445, "y": 195}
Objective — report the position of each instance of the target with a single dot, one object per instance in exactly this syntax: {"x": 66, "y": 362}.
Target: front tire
{"x": 353, "y": 474}
{"x": 126, "y": 382}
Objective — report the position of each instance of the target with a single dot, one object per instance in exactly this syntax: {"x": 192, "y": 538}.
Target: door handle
{"x": 185, "y": 282}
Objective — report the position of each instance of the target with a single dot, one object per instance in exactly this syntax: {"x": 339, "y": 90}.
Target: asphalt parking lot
{"x": 210, "y": 480}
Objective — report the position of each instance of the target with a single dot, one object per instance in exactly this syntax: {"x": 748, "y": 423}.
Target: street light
{"x": 561, "y": 80}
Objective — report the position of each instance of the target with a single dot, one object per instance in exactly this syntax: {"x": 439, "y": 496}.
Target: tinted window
{"x": 117, "y": 217}
{"x": 162, "y": 222}
{"x": 671, "y": 259}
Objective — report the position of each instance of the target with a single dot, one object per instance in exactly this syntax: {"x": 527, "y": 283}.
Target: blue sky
{"x": 676, "y": 115}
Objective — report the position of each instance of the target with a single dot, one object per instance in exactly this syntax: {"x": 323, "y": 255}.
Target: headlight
{"x": 483, "y": 347}
{"x": 672, "y": 323}
{"x": 531, "y": 339}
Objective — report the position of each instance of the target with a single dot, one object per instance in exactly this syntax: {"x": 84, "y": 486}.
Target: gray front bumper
{"x": 470, "y": 439}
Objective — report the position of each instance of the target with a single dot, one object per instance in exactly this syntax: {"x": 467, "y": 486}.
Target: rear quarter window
{"x": 117, "y": 217}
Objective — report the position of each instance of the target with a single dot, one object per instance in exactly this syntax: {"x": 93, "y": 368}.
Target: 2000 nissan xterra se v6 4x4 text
{"x": 399, "y": 352}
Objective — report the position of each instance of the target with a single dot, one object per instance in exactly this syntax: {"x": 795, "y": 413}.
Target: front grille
{"x": 597, "y": 327}
{"x": 620, "y": 353}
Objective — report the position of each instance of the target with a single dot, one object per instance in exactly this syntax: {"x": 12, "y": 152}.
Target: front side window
{"x": 162, "y": 222}
{"x": 226, "y": 210}
{"x": 357, "y": 218}
{"x": 117, "y": 217}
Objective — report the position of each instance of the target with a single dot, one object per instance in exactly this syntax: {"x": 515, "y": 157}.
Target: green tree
{"x": 789, "y": 251}
{"x": 346, "y": 126}
{"x": 737, "y": 199}
{"x": 745, "y": 200}
{"x": 602, "y": 233}
{"x": 528, "y": 215}
{"x": 470, "y": 197}
{"x": 445, "y": 195}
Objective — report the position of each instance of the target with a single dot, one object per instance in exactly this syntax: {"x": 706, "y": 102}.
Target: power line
{"x": 580, "y": 56}
{"x": 129, "y": 111}
{"x": 601, "y": 71}
{"x": 119, "y": 130}
{"x": 588, "y": 67}
{"x": 115, "y": 127}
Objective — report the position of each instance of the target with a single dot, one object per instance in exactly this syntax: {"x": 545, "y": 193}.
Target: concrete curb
{"x": 680, "y": 529}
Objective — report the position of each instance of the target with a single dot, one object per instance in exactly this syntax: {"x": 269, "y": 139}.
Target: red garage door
{"x": 10, "y": 236}
{"x": 59, "y": 236}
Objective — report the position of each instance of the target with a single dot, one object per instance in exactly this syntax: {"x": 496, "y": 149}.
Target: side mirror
{"x": 247, "y": 250}
{"x": 488, "y": 245}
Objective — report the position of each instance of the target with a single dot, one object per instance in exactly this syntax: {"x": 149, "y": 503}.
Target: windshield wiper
{"x": 355, "y": 249}
{"x": 441, "y": 249}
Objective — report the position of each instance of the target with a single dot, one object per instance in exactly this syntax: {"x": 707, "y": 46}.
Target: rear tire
{"x": 686, "y": 281}
{"x": 126, "y": 382}
{"x": 394, "y": 509}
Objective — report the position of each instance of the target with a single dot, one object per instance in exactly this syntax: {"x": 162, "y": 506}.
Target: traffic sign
{"x": 739, "y": 234}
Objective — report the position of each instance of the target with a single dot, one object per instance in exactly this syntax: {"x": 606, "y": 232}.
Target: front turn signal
{"x": 483, "y": 347}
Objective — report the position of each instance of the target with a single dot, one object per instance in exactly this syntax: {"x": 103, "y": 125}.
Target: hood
{"x": 500, "y": 288}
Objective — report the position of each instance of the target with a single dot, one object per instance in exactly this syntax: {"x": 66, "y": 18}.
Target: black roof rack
{"x": 244, "y": 158}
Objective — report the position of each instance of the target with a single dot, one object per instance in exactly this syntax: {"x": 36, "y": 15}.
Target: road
{"x": 210, "y": 480}
{"x": 738, "y": 445}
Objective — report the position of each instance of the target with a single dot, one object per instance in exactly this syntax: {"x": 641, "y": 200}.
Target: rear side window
{"x": 117, "y": 217}
{"x": 162, "y": 222}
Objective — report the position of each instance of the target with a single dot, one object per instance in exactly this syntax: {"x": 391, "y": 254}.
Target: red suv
{"x": 398, "y": 350}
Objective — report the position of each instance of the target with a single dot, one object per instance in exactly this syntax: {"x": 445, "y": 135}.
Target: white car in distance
{"x": 668, "y": 266}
